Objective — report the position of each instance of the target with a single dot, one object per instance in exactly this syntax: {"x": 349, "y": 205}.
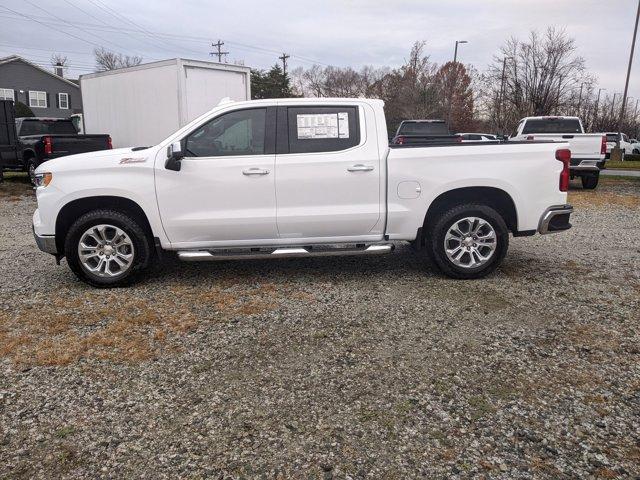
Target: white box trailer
{"x": 142, "y": 105}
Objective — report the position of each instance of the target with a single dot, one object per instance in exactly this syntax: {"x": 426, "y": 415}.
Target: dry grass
{"x": 15, "y": 189}
{"x": 109, "y": 326}
{"x": 601, "y": 198}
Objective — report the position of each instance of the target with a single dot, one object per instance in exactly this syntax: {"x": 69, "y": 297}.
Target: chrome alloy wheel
{"x": 470, "y": 242}
{"x": 105, "y": 251}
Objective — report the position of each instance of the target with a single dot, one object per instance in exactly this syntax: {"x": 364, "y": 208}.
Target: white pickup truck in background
{"x": 296, "y": 177}
{"x": 587, "y": 149}
{"x": 626, "y": 145}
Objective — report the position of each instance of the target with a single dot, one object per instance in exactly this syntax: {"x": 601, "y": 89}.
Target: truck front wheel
{"x": 468, "y": 241}
{"x": 107, "y": 248}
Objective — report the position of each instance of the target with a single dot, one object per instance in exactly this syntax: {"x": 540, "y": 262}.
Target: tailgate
{"x": 582, "y": 145}
{"x": 71, "y": 144}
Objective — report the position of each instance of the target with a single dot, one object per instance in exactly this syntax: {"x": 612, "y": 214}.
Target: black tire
{"x": 435, "y": 240}
{"x": 589, "y": 182}
{"x": 31, "y": 168}
{"x": 142, "y": 250}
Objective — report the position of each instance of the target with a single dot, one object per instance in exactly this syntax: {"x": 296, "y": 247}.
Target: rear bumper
{"x": 579, "y": 165}
{"x": 555, "y": 219}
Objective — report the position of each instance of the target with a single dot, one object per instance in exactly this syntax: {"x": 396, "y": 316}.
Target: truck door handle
{"x": 255, "y": 171}
{"x": 359, "y": 167}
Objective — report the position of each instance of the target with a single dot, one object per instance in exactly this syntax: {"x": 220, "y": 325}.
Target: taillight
{"x": 48, "y": 147}
{"x": 400, "y": 140}
{"x": 603, "y": 145}
{"x": 109, "y": 143}
{"x": 459, "y": 139}
{"x": 564, "y": 156}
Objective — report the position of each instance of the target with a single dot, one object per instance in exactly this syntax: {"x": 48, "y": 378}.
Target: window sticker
{"x": 323, "y": 125}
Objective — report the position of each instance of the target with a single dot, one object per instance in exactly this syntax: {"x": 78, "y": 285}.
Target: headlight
{"x": 42, "y": 179}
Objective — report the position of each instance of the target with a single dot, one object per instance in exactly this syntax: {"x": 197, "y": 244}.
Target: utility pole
{"x": 455, "y": 61}
{"x": 597, "y": 106}
{"x": 626, "y": 84}
{"x": 502, "y": 81}
{"x": 219, "y": 53}
{"x": 580, "y": 98}
{"x": 558, "y": 97}
{"x": 284, "y": 58}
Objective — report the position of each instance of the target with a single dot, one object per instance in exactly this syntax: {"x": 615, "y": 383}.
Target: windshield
{"x": 47, "y": 127}
{"x": 552, "y": 125}
{"x": 423, "y": 128}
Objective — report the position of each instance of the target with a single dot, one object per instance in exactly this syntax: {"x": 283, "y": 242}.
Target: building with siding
{"x": 47, "y": 94}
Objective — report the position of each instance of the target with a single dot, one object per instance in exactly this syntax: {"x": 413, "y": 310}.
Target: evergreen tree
{"x": 271, "y": 84}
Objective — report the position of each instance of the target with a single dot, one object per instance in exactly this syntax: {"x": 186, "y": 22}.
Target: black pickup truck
{"x": 424, "y": 132}
{"x": 41, "y": 139}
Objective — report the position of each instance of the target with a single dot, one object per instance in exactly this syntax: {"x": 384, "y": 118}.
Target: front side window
{"x": 63, "y": 101}
{"x": 235, "y": 133}
{"x": 6, "y": 94}
{"x": 38, "y": 99}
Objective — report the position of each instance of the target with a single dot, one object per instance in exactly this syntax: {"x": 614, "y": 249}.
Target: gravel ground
{"x": 329, "y": 368}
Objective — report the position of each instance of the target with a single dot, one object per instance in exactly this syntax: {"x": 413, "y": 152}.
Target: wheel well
{"x": 495, "y": 198}
{"x": 75, "y": 209}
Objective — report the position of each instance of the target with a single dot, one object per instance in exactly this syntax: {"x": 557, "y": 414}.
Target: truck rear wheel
{"x": 589, "y": 182}
{"x": 468, "y": 241}
{"x": 106, "y": 248}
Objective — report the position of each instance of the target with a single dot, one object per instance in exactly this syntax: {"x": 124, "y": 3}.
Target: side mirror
{"x": 174, "y": 157}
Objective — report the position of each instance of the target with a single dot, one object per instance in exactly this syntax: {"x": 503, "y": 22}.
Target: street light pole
{"x": 613, "y": 102}
{"x": 626, "y": 84}
{"x": 455, "y": 61}
{"x": 455, "y": 52}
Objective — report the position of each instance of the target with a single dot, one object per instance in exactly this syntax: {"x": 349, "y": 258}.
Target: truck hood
{"x": 98, "y": 160}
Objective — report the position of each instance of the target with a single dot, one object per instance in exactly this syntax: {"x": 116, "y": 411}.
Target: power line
{"x": 55, "y": 29}
{"x": 104, "y": 7}
{"x": 65, "y": 21}
{"x": 187, "y": 38}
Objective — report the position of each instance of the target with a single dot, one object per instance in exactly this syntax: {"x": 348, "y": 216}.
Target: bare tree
{"x": 58, "y": 62}
{"x": 106, "y": 60}
{"x": 539, "y": 76}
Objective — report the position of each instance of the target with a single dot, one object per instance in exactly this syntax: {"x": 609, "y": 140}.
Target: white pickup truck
{"x": 296, "y": 177}
{"x": 587, "y": 149}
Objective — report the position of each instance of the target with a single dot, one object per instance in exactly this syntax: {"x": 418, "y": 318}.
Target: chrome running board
{"x": 282, "y": 252}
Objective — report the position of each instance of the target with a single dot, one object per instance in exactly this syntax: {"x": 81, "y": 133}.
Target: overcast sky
{"x": 347, "y": 32}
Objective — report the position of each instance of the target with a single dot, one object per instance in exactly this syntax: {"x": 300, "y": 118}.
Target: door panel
{"x": 212, "y": 199}
{"x": 324, "y": 194}
{"x": 225, "y": 189}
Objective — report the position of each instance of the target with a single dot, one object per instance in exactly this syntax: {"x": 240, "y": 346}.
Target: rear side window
{"x": 552, "y": 125}
{"x": 322, "y": 129}
{"x": 612, "y": 137}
